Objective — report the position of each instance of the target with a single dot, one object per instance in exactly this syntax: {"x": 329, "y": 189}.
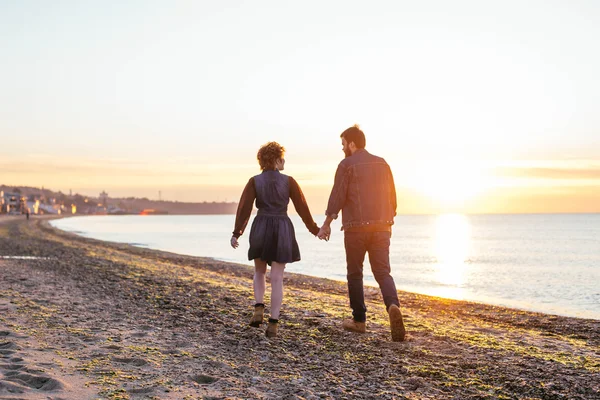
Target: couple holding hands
{"x": 365, "y": 193}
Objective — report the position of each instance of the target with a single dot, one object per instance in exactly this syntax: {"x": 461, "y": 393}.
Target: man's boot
{"x": 354, "y": 326}
{"x": 396, "y": 324}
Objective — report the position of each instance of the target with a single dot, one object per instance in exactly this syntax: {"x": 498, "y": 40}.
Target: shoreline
{"x": 106, "y": 320}
{"x": 531, "y": 304}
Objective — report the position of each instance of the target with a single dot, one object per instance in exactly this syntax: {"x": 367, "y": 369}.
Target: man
{"x": 364, "y": 190}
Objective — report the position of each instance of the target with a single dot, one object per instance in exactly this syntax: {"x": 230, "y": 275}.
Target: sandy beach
{"x": 84, "y": 319}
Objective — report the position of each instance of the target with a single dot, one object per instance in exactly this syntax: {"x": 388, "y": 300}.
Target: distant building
{"x": 33, "y": 206}
{"x": 49, "y": 209}
{"x": 104, "y": 198}
{"x": 12, "y": 203}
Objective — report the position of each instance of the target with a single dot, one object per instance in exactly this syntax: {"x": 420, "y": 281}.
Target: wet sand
{"x": 84, "y": 319}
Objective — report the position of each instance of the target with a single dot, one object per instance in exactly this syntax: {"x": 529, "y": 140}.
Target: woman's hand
{"x": 234, "y": 242}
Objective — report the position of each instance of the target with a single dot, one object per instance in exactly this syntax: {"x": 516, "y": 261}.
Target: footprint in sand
{"x": 7, "y": 349}
{"x": 11, "y": 367}
{"x": 204, "y": 379}
{"x": 17, "y": 377}
{"x": 7, "y": 387}
{"x": 43, "y": 383}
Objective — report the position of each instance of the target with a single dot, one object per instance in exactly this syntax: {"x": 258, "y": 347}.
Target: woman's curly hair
{"x": 268, "y": 154}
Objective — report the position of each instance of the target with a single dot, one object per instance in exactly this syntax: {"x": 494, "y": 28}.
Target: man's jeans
{"x": 378, "y": 246}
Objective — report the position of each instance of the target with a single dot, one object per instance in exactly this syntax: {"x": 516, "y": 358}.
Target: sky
{"x": 477, "y": 106}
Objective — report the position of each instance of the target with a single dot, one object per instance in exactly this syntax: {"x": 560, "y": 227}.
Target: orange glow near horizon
{"x": 423, "y": 186}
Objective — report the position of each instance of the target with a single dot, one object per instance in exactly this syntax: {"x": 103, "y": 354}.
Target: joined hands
{"x": 324, "y": 233}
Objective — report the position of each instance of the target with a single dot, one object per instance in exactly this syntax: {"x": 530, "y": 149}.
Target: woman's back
{"x": 272, "y": 192}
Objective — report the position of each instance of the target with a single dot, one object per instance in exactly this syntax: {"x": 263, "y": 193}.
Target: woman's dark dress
{"x": 272, "y": 235}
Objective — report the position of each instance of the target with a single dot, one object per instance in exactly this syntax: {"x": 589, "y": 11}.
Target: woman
{"x": 272, "y": 236}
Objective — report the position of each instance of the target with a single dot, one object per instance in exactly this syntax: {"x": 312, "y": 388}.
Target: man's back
{"x": 365, "y": 191}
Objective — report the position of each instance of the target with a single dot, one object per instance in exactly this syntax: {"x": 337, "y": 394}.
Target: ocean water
{"x": 539, "y": 262}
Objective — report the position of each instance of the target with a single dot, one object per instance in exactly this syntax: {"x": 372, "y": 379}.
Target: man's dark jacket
{"x": 365, "y": 192}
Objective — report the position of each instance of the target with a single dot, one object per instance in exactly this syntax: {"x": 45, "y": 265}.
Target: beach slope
{"x": 84, "y": 319}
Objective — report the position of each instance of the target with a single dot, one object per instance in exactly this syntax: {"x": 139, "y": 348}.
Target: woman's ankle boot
{"x": 272, "y": 328}
{"x": 257, "y": 318}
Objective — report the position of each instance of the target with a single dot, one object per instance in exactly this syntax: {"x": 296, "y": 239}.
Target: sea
{"x": 548, "y": 263}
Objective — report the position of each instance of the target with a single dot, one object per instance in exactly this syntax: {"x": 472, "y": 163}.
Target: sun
{"x": 449, "y": 182}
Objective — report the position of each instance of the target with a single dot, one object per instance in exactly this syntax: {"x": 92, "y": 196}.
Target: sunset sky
{"x": 478, "y": 106}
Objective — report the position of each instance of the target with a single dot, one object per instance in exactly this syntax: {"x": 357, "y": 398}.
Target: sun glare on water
{"x": 452, "y": 245}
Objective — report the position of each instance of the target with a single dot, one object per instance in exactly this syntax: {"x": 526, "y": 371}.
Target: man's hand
{"x": 324, "y": 232}
{"x": 234, "y": 242}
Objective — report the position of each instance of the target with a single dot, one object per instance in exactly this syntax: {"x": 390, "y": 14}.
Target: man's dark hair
{"x": 354, "y": 134}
